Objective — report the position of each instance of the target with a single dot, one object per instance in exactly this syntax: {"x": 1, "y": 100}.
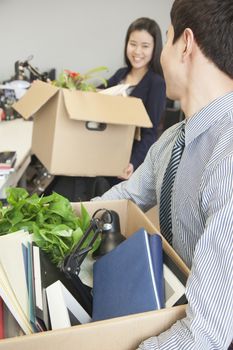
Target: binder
{"x": 46, "y": 273}
{"x": 130, "y": 278}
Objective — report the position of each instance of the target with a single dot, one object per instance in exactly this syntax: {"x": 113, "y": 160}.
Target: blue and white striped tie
{"x": 167, "y": 185}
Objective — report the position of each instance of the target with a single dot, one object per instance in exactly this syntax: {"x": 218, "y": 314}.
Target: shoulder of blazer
{"x": 117, "y": 76}
{"x": 150, "y": 81}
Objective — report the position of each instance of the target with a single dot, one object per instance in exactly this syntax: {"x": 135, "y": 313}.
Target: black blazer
{"x": 151, "y": 89}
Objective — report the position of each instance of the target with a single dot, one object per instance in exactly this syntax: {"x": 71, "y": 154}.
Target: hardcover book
{"x": 130, "y": 278}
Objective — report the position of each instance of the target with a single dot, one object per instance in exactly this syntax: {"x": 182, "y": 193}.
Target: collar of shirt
{"x": 208, "y": 115}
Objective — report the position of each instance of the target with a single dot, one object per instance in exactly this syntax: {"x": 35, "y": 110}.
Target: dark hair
{"x": 212, "y": 24}
{"x": 153, "y": 29}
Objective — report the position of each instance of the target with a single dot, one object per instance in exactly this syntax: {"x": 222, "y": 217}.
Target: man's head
{"x": 211, "y": 22}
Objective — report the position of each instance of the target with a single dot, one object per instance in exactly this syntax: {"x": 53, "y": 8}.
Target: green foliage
{"x": 76, "y": 81}
{"x": 51, "y": 219}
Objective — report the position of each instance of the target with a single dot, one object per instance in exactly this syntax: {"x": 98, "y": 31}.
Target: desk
{"x": 15, "y": 135}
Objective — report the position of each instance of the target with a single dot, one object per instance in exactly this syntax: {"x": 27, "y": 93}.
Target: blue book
{"x": 129, "y": 279}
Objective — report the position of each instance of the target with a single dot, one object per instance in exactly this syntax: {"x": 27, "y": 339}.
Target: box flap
{"x": 92, "y": 106}
{"x": 37, "y": 95}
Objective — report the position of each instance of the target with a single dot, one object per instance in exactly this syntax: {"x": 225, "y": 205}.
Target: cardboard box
{"x": 64, "y": 139}
{"x": 122, "y": 333}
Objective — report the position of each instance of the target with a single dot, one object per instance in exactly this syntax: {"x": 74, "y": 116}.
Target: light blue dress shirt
{"x": 202, "y": 222}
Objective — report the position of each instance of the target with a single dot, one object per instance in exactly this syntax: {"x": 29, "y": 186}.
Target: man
{"x": 198, "y": 69}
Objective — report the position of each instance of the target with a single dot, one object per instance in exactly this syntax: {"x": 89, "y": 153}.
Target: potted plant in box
{"x": 77, "y": 81}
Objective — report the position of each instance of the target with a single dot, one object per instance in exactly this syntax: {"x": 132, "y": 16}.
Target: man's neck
{"x": 201, "y": 92}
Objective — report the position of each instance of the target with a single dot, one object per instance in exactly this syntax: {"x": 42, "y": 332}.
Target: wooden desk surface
{"x": 15, "y": 135}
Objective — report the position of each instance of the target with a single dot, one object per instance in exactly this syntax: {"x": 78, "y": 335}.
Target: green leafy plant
{"x": 76, "y": 81}
{"x": 51, "y": 219}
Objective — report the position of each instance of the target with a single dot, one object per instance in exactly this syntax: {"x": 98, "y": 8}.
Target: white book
{"x": 11, "y": 326}
{"x": 12, "y": 303}
{"x": 117, "y": 90}
{"x": 61, "y": 304}
{"x": 12, "y": 261}
{"x": 37, "y": 277}
{"x": 174, "y": 288}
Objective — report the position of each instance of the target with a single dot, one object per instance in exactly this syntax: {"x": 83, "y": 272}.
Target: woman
{"x": 143, "y": 73}
{"x": 143, "y": 45}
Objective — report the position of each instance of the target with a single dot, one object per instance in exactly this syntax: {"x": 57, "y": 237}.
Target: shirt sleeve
{"x": 209, "y": 321}
{"x": 140, "y": 188}
{"x": 143, "y": 186}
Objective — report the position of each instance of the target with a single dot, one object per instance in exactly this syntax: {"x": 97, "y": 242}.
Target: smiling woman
{"x": 143, "y": 74}
{"x": 144, "y": 79}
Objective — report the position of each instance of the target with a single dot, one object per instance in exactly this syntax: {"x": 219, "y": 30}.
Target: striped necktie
{"x": 167, "y": 185}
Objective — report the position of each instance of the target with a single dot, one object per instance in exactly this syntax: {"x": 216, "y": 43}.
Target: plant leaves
{"x": 51, "y": 219}
{"x": 76, "y": 81}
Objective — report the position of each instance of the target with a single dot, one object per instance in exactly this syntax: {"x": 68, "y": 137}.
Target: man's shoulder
{"x": 172, "y": 131}
{"x": 166, "y": 140}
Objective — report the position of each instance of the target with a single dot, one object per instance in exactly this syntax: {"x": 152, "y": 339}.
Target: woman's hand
{"x": 127, "y": 172}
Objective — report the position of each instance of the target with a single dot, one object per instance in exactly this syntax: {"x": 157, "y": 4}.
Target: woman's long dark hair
{"x": 153, "y": 29}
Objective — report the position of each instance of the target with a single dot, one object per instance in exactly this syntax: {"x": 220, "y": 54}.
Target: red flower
{"x": 71, "y": 74}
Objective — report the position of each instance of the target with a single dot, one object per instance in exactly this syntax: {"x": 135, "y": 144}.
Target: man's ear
{"x": 188, "y": 43}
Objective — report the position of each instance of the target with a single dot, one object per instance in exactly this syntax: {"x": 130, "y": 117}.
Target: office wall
{"x": 71, "y": 34}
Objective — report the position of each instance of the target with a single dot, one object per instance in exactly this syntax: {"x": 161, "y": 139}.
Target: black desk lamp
{"x": 111, "y": 235}
{"x": 108, "y": 225}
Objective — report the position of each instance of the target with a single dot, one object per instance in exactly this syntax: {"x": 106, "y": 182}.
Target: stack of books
{"x": 7, "y": 162}
{"x": 137, "y": 276}
{"x": 35, "y": 292}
